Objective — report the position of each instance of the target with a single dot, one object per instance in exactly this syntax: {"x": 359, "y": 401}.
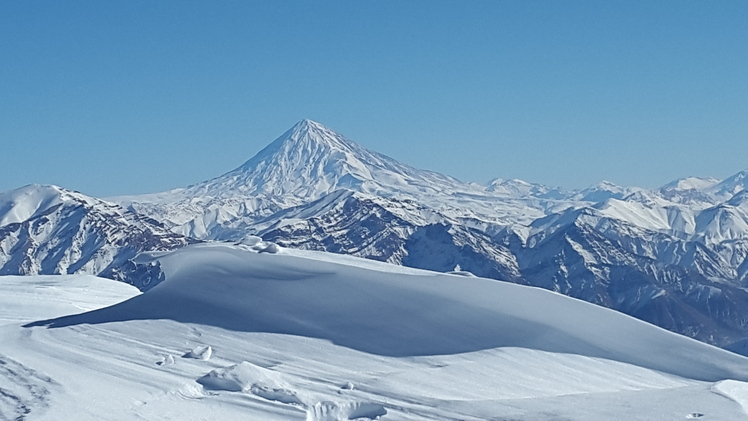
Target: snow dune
{"x": 400, "y": 313}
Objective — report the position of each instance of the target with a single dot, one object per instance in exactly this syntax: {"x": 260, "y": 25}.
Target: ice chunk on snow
{"x": 249, "y": 378}
{"x": 200, "y": 353}
{"x": 250, "y": 240}
{"x": 332, "y": 411}
{"x": 167, "y": 360}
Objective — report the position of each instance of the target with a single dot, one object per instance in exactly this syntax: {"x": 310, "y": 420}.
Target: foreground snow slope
{"x": 236, "y": 334}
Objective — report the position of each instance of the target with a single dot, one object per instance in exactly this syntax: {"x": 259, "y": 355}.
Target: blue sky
{"x": 113, "y": 98}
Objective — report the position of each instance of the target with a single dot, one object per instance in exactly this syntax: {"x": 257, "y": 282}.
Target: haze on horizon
{"x": 140, "y": 97}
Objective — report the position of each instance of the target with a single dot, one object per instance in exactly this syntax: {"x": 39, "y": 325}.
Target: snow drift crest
{"x": 391, "y": 311}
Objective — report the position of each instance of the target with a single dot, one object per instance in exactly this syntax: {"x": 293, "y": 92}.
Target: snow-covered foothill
{"x": 46, "y": 230}
{"x": 24, "y": 203}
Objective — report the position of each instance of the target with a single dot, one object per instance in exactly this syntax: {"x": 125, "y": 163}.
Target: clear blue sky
{"x": 132, "y": 97}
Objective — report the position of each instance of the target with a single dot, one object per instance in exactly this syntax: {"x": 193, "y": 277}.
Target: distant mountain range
{"x": 674, "y": 256}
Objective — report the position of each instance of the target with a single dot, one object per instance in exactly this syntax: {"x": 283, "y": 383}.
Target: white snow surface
{"x": 300, "y": 335}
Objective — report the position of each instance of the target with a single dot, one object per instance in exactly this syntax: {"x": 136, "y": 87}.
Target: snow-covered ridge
{"x": 50, "y": 230}
{"x": 29, "y": 201}
{"x": 398, "y": 313}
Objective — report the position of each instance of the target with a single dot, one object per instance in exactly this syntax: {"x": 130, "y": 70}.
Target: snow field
{"x": 237, "y": 334}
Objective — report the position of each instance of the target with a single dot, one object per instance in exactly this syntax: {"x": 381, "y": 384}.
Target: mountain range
{"x": 673, "y": 256}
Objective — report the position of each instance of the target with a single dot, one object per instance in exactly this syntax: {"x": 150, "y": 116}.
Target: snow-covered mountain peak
{"x": 704, "y": 192}
{"x": 697, "y": 192}
{"x": 23, "y": 203}
{"x": 606, "y": 184}
{"x": 603, "y": 191}
{"x": 303, "y": 138}
{"x": 690, "y": 183}
{"x": 520, "y": 188}
{"x": 513, "y": 187}
{"x": 310, "y": 160}
{"x": 310, "y": 150}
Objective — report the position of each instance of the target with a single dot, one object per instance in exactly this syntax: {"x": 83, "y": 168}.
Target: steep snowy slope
{"x": 49, "y": 230}
{"x": 236, "y": 334}
{"x": 310, "y": 160}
